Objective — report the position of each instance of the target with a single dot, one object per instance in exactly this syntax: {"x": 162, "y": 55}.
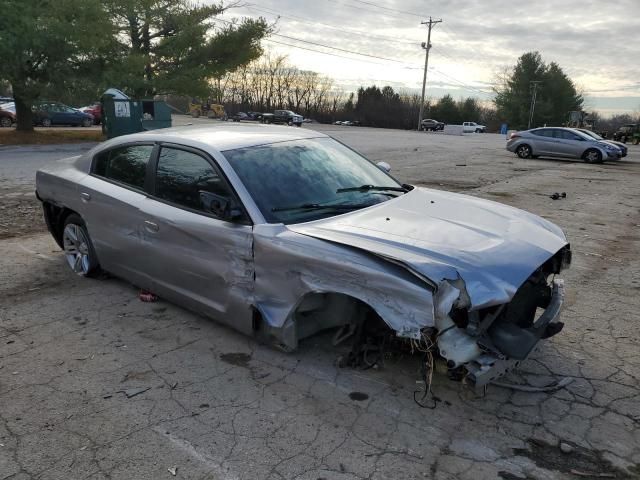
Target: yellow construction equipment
{"x": 206, "y": 109}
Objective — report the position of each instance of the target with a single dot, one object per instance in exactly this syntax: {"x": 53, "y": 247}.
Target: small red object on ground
{"x": 148, "y": 296}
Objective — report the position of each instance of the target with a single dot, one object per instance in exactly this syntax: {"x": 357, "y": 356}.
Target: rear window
{"x": 127, "y": 165}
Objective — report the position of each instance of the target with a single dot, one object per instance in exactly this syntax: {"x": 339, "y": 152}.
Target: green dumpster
{"x": 122, "y": 117}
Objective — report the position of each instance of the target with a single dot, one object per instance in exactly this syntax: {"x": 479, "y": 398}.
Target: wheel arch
{"x": 314, "y": 312}
{"x": 55, "y": 216}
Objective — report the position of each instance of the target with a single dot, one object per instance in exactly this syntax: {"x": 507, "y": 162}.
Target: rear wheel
{"x": 524, "y": 151}
{"x": 592, "y": 156}
{"x": 46, "y": 122}
{"x": 77, "y": 246}
{"x": 87, "y": 122}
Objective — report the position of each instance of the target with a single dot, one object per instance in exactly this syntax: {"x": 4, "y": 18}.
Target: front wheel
{"x": 46, "y": 122}
{"x": 636, "y": 141}
{"x": 478, "y": 130}
{"x": 524, "y": 151}
{"x": 78, "y": 249}
{"x": 290, "y": 123}
{"x": 87, "y": 122}
{"x": 5, "y": 122}
{"x": 592, "y": 156}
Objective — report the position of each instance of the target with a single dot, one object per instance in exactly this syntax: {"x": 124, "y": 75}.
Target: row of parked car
{"x": 578, "y": 143}
{"x": 47, "y": 114}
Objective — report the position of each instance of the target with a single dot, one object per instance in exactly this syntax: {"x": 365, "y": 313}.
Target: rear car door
{"x": 543, "y": 141}
{"x": 112, "y": 197}
{"x": 197, "y": 254}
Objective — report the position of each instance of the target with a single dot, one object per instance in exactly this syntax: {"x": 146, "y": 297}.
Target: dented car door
{"x": 195, "y": 253}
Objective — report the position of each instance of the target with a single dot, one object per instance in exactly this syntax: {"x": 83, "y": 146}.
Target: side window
{"x": 571, "y": 136}
{"x": 126, "y": 165}
{"x": 189, "y": 180}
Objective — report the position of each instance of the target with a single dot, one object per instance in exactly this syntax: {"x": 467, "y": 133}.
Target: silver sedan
{"x": 561, "y": 142}
{"x": 282, "y": 233}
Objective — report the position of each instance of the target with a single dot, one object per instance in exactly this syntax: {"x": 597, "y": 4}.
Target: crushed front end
{"x": 484, "y": 344}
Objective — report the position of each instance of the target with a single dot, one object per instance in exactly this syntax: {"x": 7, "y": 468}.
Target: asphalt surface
{"x": 96, "y": 384}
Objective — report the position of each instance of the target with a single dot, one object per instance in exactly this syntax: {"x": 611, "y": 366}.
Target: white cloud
{"x": 595, "y": 42}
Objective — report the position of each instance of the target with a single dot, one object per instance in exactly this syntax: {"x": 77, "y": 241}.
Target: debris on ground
{"x": 173, "y": 470}
{"x": 565, "y": 448}
{"x": 132, "y": 392}
{"x": 532, "y": 389}
{"x": 146, "y": 296}
{"x": 557, "y": 196}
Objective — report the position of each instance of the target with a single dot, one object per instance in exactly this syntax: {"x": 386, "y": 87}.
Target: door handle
{"x": 85, "y": 197}
{"x": 151, "y": 227}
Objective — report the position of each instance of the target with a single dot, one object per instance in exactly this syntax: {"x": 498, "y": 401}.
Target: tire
{"x": 78, "y": 249}
{"x": 592, "y": 156}
{"x": 46, "y": 122}
{"x": 87, "y": 122}
{"x": 5, "y": 122}
{"x": 524, "y": 151}
{"x": 478, "y": 130}
{"x": 195, "y": 113}
{"x": 290, "y": 123}
{"x": 636, "y": 141}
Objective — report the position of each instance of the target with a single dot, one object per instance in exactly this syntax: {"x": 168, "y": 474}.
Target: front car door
{"x": 573, "y": 145}
{"x": 197, "y": 254}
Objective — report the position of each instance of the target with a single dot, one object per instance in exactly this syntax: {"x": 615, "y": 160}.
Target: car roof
{"x": 226, "y": 136}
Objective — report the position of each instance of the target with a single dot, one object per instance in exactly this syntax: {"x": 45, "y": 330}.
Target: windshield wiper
{"x": 368, "y": 188}
{"x": 320, "y": 206}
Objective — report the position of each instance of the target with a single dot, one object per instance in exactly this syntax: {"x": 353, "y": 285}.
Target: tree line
{"x": 78, "y": 48}
{"x": 72, "y": 50}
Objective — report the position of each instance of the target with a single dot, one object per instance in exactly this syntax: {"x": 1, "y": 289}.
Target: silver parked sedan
{"x": 282, "y": 233}
{"x": 561, "y": 142}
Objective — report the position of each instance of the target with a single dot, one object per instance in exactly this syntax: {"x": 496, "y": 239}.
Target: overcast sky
{"x": 597, "y": 43}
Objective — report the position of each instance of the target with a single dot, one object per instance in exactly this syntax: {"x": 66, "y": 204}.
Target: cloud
{"x": 595, "y": 42}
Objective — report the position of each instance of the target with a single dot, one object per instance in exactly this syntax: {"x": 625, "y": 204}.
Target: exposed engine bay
{"x": 478, "y": 346}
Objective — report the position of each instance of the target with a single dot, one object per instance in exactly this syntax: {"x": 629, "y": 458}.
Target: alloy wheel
{"x": 76, "y": 249}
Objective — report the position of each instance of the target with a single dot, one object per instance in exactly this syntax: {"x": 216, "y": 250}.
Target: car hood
{"x": 440, "y": 235}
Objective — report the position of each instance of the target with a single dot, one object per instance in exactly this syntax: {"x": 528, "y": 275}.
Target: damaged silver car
{"x": 282, "y": 233}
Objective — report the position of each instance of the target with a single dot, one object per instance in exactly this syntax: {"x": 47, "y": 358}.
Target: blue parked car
{"x": 53, "y": 113}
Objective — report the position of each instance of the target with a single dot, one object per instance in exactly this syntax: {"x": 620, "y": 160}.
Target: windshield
{"x": 298, "y": 181}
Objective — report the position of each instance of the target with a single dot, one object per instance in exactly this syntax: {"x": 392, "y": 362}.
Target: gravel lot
{"x": 216, "y": 405}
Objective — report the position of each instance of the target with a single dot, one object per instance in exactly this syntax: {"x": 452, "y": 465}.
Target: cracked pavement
{"x": 220, "y": 406}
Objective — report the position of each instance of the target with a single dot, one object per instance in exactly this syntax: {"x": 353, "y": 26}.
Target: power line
{"x": 340, "y": 29}
{"x": 323, "y": 53}
{"x": 360, "y": 9}
{"x": 339, "y": 49}
{"x": 389, "y": 9}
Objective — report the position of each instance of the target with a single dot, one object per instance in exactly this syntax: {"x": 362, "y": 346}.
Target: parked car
{"x": 284, "y": 233}
{"x": 473, "y": 127}
{"x": 338, "y": 122}
{"x": 237, "y": 117}
{"x": 561, "y": 142}
{"x": 6, "y": 100}
{"x": 430, "y": 124}
{"x": 623, "y": 148}
{"x": 254, "y": 115}
{"x": 53, "y": 113}
{"x": 7, "y": 114}
{"x": 95, "y": 110}
{"x": 283, "y": 116}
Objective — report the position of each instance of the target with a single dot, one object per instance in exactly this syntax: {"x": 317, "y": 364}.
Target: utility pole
{"x": 534, "y": 93}
{"x": 427, "y": 47}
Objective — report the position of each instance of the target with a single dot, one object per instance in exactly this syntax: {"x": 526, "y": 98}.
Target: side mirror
{"x": 384, "y": 166}
{"x": 221, "y": 206}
